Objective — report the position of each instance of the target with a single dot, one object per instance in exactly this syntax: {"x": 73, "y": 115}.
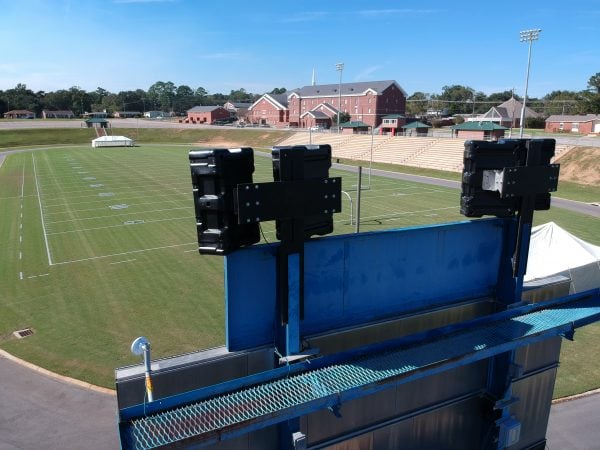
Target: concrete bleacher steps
{"x": 425, "y": 152}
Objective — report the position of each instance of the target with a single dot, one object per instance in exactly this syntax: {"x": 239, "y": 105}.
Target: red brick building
{"x": 318, "y": 105}
{"x": 587, "y": 124}
{"x": 206, "y": 114}
{"x": 270, "y": 109}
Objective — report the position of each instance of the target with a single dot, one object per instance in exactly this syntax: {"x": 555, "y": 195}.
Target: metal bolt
{"x": 325, "y": 195}
{"x": 247, "y": 187}
{"x": 326, "y": 211}
{"x": 256, "y": 186}
{"x": 257, "y": 203}
{"x": 325, "y": 180}
{"x": 247, "y": 220}
{"x": 247, "y": 203}
{"x": 258, "y": 219}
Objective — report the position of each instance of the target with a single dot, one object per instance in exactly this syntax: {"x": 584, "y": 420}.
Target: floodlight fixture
{"x": 527, "y": 36}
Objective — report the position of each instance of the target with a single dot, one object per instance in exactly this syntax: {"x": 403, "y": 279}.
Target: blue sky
{"x": 258, "y": 45}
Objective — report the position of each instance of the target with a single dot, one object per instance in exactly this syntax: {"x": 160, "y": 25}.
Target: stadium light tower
{"x": 340, "y": 68}
{"x": 527, "y": 36}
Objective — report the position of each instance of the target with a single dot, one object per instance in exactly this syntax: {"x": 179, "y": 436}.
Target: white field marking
{"x": 41, "y": 211}
{"x": 122, "y": 225}
{"x": 21, "y": 215}
{"x": 188, "y": 251}
{"x": 20, "y": 255}
{"x": 117, "y": 215}
{"x": 23, "y": 182}
{"x": 121, "y": 262}
{"x": 392, "y": 215}
{"x": 132, "y": 252}
{"x": 36, "y": 276}
{"x": 143, "y": 192}
{"x": 20, "y": 238}
{"x": 20, "y": 275}
{"x": 20, "y": 226}
{"x": 103, "y": 207}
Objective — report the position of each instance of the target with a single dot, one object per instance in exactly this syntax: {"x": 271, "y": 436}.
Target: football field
{"x": 100, "y": 247}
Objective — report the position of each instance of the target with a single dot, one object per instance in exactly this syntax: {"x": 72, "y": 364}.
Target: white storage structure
{"x": 113, "y": 141}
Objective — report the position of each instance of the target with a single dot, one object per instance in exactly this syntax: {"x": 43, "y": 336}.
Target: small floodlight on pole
{"x": 340, "y": 68}
{"x": 142, "y": 346}
{"x": 527, "y": 36}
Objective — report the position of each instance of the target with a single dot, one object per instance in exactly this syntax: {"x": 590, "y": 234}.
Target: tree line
{"x": 457, "y": 99}
{"x": 167, "y": 97}
{"x": 161, "y": 96}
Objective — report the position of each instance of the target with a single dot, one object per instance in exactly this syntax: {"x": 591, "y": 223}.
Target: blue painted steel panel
{"x": 359, "y": 278}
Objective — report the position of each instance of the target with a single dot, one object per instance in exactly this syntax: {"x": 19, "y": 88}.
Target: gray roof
{"x": 317, "y": 114}
{"x": 567, "y": 118}
{"x": 239, "y": 104}
{"x": 511, "y": 108}
{"x": 204, "y": 108}
{"x": 330, "y": 90}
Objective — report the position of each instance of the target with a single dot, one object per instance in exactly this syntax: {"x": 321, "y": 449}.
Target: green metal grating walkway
{"x": 279, "y": 400}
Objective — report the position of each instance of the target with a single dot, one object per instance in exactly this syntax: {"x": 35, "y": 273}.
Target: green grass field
{"x": 100, "y": 247}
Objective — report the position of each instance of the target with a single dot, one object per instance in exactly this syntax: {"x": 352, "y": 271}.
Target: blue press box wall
{"x": 359, "y": 278}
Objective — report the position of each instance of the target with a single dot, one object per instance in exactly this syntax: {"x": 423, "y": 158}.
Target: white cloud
{"x": 387, "y": 12}
{"x": 224, "y": 55}
{"x": 308, "y": 16}
{"x": 367, "y": 72}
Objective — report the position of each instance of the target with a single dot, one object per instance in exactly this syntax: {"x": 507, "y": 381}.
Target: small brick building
{"x": 587, "y": 124}
{"x": 479, "y": 130}
{"x": 206, "y": 114}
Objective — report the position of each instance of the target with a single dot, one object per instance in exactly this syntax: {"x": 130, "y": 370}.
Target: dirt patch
{"x": 581, "y": 165}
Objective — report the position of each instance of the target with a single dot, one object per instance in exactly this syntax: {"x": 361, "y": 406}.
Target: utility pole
{"x": 527, "y": 36}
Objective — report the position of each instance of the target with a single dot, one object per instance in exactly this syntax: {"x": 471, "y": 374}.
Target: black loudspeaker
{"x": 215, "y": 176}
{"x": 497, "y": 175}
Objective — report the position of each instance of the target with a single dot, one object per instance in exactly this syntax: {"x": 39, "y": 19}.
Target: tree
{"x": 416, "y": 104}
{"x": 162, "y": 94}
{"x": 459, "y": 99}
{"x": 184, "y": 98}
{"x": 344, "y": 117}
{"x": 277, "y": 91}
{"x": 594, "y": 82}
{"x": 591, "y": 98}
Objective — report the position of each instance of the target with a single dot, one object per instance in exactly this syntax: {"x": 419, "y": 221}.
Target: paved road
{"x": 38, "y": 411}
{"x": 575, "y": 425}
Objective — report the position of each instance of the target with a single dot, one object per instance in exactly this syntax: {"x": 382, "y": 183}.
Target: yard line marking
{"x": 121, "y": 254}
{"x": 122, "y": 225}
{"x": 20, "y": 226}
{"x": 120, "y": 262}
{"x": 41, "y": 210}
{"x": 20, "y": 238}
{"x": 36, "y": 276}
{"x": 117, "y": 215}
{"x": 193, "y": 250}
{"x": 20, "y": 275}
{"x": 20, "y": 255}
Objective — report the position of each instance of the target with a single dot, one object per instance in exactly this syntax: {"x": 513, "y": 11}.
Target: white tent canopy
{"x": 554, "y": 251}
{"x": 113, "y": 141}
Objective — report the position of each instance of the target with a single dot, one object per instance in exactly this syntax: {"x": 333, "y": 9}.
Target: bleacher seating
{"x": 426, "y": 152}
